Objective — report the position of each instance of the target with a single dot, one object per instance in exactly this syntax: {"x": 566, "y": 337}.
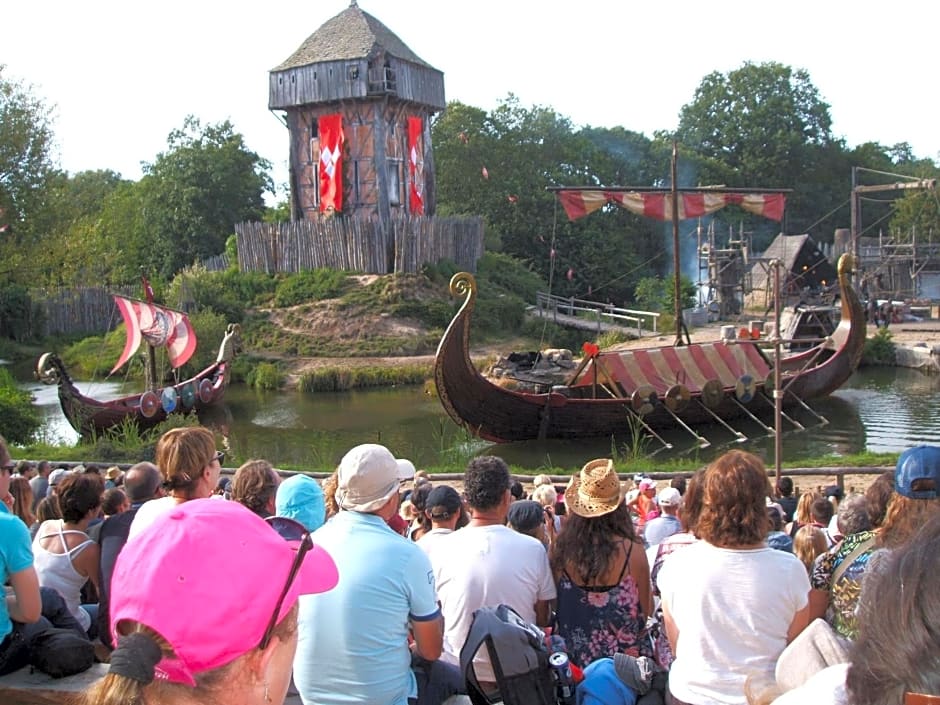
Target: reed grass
{"x": 340, "y": 379}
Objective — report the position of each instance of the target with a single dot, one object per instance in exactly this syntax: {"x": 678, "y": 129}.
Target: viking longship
{"x": 155, "y": 327}
{"x": 658, "y": 388}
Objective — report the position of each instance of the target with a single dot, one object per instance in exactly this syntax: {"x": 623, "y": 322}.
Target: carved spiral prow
{"x": 47, "y": 371}
{"x": 848, "y": 264}
{"x": 463, "y": 284}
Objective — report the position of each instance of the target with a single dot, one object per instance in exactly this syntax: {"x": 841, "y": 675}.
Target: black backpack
{"x": 60, "y": 652}
{"x": 518, "y": 654}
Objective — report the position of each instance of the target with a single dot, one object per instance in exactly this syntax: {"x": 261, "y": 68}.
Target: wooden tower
{"x": 358, "y": 104}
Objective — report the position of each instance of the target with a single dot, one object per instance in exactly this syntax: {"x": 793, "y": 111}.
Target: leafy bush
{"x": 314, "y": 285}
{"x": 658, "y": 294}
{"x": 93, "y": 357}
{"x": 227, "y": 293}
{"x": 19, "y": 419}
{"x": 496, "y": 270}
{"x": 265, "y": 375}
{"x": 879, "y": 349}
{"x": 209, "y": 326}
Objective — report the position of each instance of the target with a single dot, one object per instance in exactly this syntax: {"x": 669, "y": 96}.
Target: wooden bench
{"x": 32, "y": 687}
{"x": 24, "y": 687}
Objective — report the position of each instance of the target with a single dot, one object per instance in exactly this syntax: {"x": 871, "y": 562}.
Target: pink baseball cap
{"x": 207, "y": 576}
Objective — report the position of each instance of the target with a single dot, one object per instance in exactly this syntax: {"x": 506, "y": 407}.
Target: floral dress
{"x": 597, "y": 622}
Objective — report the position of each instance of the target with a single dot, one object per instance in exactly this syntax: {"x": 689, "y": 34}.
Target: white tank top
{"x": 55, "y": 570}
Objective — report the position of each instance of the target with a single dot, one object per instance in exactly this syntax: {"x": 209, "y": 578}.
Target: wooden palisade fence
{"x": 85, "y": 309}
{"x": 404, "y": 245}
{"x": 400, "y": 245}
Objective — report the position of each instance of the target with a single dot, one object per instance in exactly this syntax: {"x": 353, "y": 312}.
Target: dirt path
{"x": 908, "y": 334}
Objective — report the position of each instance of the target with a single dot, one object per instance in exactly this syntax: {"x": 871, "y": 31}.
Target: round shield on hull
{"x": 169, "y": 400}
{"x": 745, "y": 388}
{"x": 149, "y": 403}
{"x": 712, "y": 393}
{"x": 677, "y": 398}
{"x": 643, "y": 399}
{"x": 188, "y": 394}
{"x": 205, "y": 391}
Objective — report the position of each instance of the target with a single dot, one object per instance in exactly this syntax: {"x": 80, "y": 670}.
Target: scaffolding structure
{"x": 724, "y": 277}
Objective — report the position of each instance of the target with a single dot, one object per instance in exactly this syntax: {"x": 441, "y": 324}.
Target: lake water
{"x": 878, "y": 409}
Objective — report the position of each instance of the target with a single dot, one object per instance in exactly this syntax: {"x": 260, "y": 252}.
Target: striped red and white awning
{"x": 578, "y": 203}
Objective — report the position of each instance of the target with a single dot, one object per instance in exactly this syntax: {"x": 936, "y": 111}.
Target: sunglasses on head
{"x": 289, "y": 530}
{"x": 219, "y": 455}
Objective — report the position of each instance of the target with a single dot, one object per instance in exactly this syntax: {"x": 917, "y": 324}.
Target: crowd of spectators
{"x": 211, "y": 588}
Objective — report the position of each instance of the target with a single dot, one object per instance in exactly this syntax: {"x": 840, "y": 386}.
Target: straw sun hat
{"x": 595, "y": 491}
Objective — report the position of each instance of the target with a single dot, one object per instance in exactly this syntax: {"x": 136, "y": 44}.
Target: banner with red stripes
{"x": 416, "y": 166}
{"x": 578, "y": 203}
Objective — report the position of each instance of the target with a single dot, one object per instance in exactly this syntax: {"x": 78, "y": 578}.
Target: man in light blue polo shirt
{"x": 353, "y": 645}
{"x": 16, "y": 567}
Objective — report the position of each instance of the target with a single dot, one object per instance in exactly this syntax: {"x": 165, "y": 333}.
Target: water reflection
{"x": 879, "y": 409}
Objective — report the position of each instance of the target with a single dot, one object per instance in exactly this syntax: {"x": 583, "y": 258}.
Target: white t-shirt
{"x": 435, "y": 543}
{"x": 733, "y": 609}
{"x": 485, "y": 566}
{"x": 148, "y": 513}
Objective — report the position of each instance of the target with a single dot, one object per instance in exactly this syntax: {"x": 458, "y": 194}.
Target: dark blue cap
{"x": 918, "y": 463}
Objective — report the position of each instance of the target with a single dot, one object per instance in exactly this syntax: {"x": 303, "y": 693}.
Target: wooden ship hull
{"x": 660, "y": 388}
{"x": 88, "y": 415}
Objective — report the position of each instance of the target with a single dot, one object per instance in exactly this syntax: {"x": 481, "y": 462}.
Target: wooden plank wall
{"x": 403, "y": 245}
{"x": 80, "y": 309}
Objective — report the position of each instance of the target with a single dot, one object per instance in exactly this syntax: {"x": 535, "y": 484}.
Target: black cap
{"x": 443, "y": 502}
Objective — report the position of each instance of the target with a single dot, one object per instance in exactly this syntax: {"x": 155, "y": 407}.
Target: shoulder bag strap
{"x": 849, "y": 559}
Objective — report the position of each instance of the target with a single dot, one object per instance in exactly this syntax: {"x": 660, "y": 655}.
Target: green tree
{"x": 763, "y": 125}
{"x": 195, "y": 192}
{"x": 27, "y": 164}
{"x": 70, "y": 248}
{"x": 500, "y": 164}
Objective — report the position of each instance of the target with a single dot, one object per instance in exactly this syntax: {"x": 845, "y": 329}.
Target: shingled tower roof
{"x": 352, "y": 34}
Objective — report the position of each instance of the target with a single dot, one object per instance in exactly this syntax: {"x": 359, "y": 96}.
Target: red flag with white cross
{"x": 416, "y": 165}
{"x": 331, "y": 153}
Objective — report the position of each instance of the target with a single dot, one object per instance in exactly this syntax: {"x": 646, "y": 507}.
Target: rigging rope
{"x": 551, "y": 268}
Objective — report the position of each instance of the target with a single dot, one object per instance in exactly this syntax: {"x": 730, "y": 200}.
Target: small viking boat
{"x": 157, "y": 327}
{"x": 658, "y": 388}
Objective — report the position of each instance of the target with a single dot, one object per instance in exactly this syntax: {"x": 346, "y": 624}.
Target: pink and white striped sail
{"x": 160, "y": 327}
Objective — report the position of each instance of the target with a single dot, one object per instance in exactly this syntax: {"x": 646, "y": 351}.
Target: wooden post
{"x": 677, "y": 288}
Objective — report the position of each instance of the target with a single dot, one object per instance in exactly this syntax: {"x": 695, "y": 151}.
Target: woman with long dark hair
{"x": 601, "y": 571}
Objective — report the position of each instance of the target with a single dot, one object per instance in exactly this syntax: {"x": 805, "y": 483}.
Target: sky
{"x": 121, "y": 76}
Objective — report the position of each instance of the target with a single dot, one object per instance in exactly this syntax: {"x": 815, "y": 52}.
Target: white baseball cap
{"x": 368, "y": 477}
{"x": 670, "y": 497}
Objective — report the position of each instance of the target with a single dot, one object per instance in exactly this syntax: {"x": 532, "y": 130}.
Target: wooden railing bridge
{"x": 594, "y": 315}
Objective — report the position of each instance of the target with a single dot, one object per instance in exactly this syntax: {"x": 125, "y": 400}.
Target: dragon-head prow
{"x": 231, "y": 343}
